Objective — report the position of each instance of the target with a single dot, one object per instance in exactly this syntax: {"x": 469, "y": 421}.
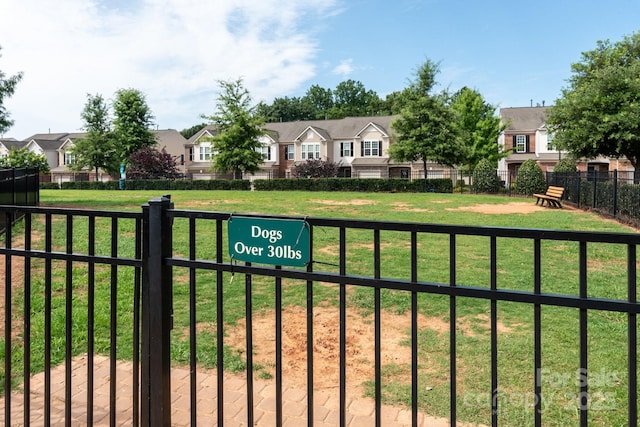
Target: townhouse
{"x": 527, "y": 137}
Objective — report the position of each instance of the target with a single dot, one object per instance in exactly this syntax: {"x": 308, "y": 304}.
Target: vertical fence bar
{"x": 27, "y": 321}
{"x": 7, "y": 321}
{"x": 68, "y": 324}
{"x": 47, "y": 322}
{"x": 278, "y": 307}
{"x": 632, "y": 334}
{"x": 452, "y": 331}
{"x": 414, "y": 331}
{"x": 537, "y": 333}
{"x": 583, "y": 400}
{"x": 113, "y": 334}
{"x": 91, "y": 317}
{"x": 310, "y": 334}
{"x": 136, "y": 326}
{"x": 494, "y": 333}
{"x": 156, "y": 315}
{"x": 249, "y": 346}
{"x": 377, "y": 327}
{"x": 615, "y": 193}
{"x": 220, "y": 324}
{"x": 343, "y": 328}
{"x": 192, "y": 325}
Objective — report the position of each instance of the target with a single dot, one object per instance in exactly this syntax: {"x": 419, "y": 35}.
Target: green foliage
{"x": 189, "y": 132}
{"x": 7, "y": 88}
{"x": 160, "y": 184}
{"x": 565, "y": 165}
{"x": 440, "y": 185}
{"x": 485, "y": 178}
{"x": 426, "y": 127}
{"x": 316, "y": 168}
{"x": 132, "y": 122}
{"x": 479, "y": 128}
{"x": 530, "y": 179}
{"x": 598, "y": 112}
{"x": 24, "y": 158}
{"x": 98, "y": 147}
{"x": 239, "y": 128}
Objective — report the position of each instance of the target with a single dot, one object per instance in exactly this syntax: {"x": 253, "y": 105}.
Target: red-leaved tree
{"x": 149, "y": 163}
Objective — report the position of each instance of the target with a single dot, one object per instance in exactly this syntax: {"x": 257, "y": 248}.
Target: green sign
{"x": 269, "y": 241}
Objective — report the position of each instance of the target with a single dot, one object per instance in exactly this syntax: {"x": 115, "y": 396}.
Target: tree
{"x": 320, "y": 100}
{"x": 97, "y": 149}
{"x": 149, "y": 163}
{"x": 426, "y": 127}
{"x": 189, "y": 132}
{"x": 24, "y": 158}
{"x": 239, "y": 128}
{"x": 351, "y": 99}
{"x": 598, "y": 112}
{"x": 132, "y": 122}
{"x": 485, "y": 177}
{"x": 7, "y": 88}
{"x": 316, "y": 168}
{"x": 479, "y": 128}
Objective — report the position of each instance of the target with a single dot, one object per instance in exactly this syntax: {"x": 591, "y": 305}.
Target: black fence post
{"x": 155, "y": 372}
{"x": 615, "y": 193}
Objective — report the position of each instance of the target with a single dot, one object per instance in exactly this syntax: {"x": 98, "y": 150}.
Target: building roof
{"x": 335, "y": 129}
{"x": 524, "y": 118}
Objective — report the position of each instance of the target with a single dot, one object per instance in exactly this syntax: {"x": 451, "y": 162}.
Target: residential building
{"x": 528, "y": 138}
{"x": 358, "y": 144}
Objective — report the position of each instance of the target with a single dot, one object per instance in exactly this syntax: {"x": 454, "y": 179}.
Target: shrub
{"x": 485, "y": 178}
{"x": 316, "y": 168}
{"x": 530, "y": 179}
{"x": 565, "y": 165}
{"x": 441, "y": 185}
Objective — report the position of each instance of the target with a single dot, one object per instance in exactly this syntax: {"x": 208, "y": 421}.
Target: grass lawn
{"x": 607, "y": 278}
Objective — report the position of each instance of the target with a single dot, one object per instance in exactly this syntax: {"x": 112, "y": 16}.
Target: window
{"x": 69, "y": 158}
{"x": 371, "y": 148}
{"x": 205, "y": 153}
{"x": 310, "y": 151}
{"x": 265, "y": 151}
{"x": 346, "y": 149}
{"x": 191, "y": 154}
{"x": 521, "y": 143}
{"x": 289, "y": 152}
{"x": 549, "y": 141}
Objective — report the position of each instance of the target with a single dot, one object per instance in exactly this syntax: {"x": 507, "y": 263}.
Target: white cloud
{"x": 345, "y": 68}
{"x": 174, "y": 51}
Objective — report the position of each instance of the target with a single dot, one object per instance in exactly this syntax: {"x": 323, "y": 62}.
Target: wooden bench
{"x": 552, "y": 197}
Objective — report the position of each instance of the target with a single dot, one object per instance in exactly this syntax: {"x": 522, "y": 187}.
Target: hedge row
{"x": 213, "y": 184}
{"x": 441, "y": 185}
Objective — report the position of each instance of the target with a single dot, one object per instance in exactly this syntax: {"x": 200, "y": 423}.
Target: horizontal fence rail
{"x": 188, "y": 295}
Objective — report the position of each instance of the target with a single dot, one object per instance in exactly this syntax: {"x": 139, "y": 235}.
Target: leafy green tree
{"x": 7, "y": 88}
{"x": 132, "y": 123}
{"x": 239, "y": 127}
{"x": 189, "y": 132}
{"x": 426, "y": 127}
{"x": 97, "y": 148}
{"x": 352, "y": 99}
{"x": 320, "y": 101}
{"x": 479, "y": 128}
{"x": 530, "y": 179}
{"x": 24, "y": 158}
{"x": 598, "y": 112}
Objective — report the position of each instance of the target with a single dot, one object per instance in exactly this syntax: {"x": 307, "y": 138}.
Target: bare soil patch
{"x": 360, "y": 350}
{"x": 506, "y": 208}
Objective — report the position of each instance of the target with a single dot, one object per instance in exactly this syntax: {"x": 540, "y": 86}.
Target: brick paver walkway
{"x": 360, "y": 411}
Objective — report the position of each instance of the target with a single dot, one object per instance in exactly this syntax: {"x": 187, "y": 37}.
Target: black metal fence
{"x": 98, "y": 275}
{"x": 19, "y": 186}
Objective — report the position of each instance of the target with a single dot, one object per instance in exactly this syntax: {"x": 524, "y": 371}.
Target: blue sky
{"x": 515, "y": 53}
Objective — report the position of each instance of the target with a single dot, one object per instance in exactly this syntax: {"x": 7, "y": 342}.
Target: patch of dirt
{"x": 353, "y": 202}
{"x": 506, "y": 208}
{"x": 360, "y": 350}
